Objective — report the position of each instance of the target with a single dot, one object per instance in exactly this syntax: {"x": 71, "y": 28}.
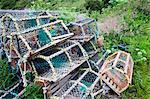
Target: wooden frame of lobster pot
{"x": 32, "y": 40}
{"x": 84, "y": 29}
{"x": 117, "y": 71}
{"x": 56, "y": 63}
{"x": 86, "y": 84}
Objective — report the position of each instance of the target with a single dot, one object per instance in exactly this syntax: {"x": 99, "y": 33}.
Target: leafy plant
{"x": 7, "y": 77}
{"x": 94, "y": 15}
{"x": 33, "y": 92}
{"x": 14, "y": 4}
{"x": 94, "y": 5}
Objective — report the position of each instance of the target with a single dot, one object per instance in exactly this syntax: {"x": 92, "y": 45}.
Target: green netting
{"x": 82, "y": 89}
{"x": 118, "y": 75}
{"x": 57, "y": 30}
{"x": 30, "y": 23}
{"x": 123, "y": 57}
{"x": 100, "y": 55}
{"x": 60, "y": 61}
{"x": 88, "y": 84}
{"x": 53, "y": 32}
{"x": 44, "y": 21}
{"x": 43, "y": 37}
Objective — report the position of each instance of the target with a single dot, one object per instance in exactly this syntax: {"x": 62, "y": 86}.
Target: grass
{"x": 8, "y": 76}
{"x": 137, "y": 37}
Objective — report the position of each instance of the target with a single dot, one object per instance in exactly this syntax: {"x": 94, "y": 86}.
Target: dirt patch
{"x": 110, "y": 24}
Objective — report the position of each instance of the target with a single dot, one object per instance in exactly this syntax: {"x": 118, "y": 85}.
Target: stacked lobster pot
{"x": 63, "y": 59}
{"x": 9, "y": 20}
{"x": 25, "y": 37}
{"x": 55, "y": 68}
{"x": 85, "y": 83}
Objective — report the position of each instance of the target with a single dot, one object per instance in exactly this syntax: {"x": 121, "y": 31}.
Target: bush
{"x": 94, "y": 14}
{"x": 141, "y": 6}
{"x": 14, "y": 4}
{"x": 98, "y": 5}
{"x": 7, "y": 76}
{"x": 33, "y": 92}
{"x": 93, "y": 5}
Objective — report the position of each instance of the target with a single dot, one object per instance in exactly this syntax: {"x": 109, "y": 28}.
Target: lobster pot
{"x": 57, "y": 30}
{"x": 48, "y": 18}
{"x": 84, "y": 29}
{"x": 89, "y": 26}
{"x": 117, "y": 71}
{"x": 21, "y": 22}
{"x": 20, "y": 13}
{"x": 36, "y": 38}
{"x": 26, "y": 24}
{"x": 14, "y": 47}
{"x": 90, "y": 48}
{"x": 39, "y": 37}
{"x": 16, "y": 24}
{"x": 19, "y": 45}
{"x": 9, "y": 26}
{"x": 85, "y": 85}
{"x": 32, "y": 40}
{"x": 41, "y": 66}
{"x": 46, "y": 68}
{"x": 76, "y": 52}
{"x": 58, "y": 62}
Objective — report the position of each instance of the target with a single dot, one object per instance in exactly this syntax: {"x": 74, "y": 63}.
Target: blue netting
{"x": 30, "y": 23}
{"x": 88, "y": 84}
{"x": 53, "y": 32}
{"x": 44, "y": 21}
{"x": 43, "y": 37}
{"x": 82, "y": 90}
{"x": 88, "y": 47}
{"x": 41, "y": 66}
{"x": 60, "y": 61}
{"x": 89, "y": 79}
{"x": 57, "y": 30}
